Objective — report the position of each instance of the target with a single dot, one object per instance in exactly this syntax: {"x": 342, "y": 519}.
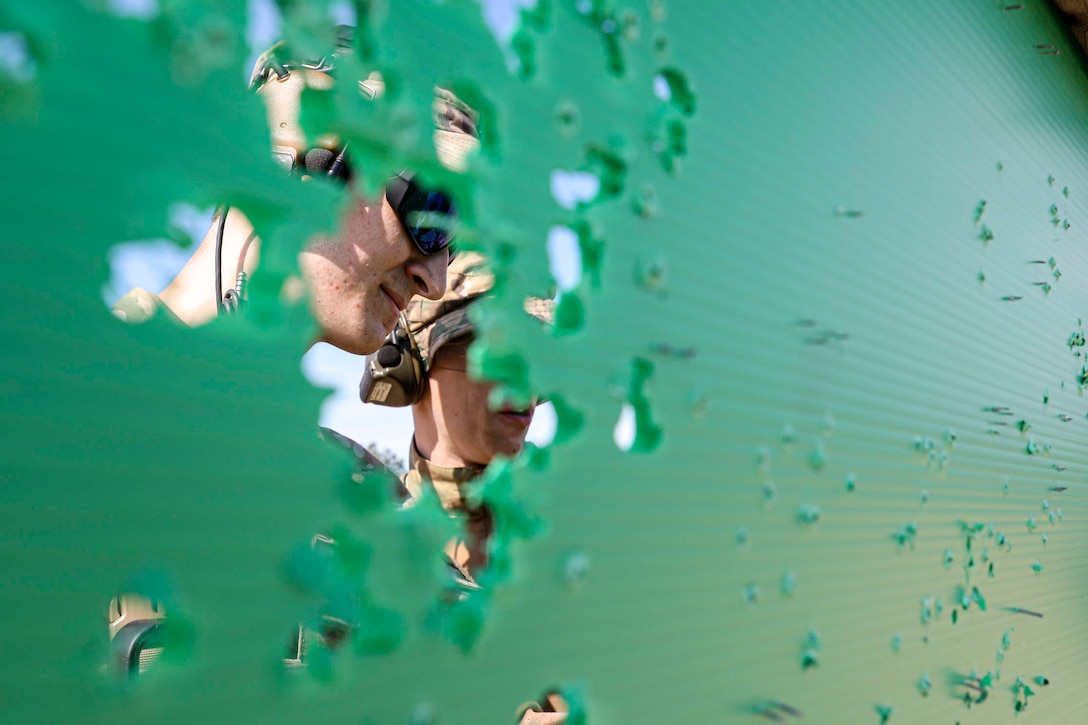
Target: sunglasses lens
{"x": 429, "y": 217}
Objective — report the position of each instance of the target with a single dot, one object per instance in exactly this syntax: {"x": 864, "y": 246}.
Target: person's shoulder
{"x": 367, "y": 460}
{"x": 138, "y": 305}
{"x": 368, "y": 464}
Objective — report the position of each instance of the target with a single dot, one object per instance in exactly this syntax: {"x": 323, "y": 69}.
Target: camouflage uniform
{"x": 433, "y": 324}
{"x": 466, "y": 555}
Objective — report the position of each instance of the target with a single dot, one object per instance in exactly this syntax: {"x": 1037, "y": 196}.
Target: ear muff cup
{"x": 394, "y": 375}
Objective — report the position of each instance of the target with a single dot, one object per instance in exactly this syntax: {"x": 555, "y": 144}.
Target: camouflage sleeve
{"x": 139, "y": 305}
{"x": 369, "y": 464}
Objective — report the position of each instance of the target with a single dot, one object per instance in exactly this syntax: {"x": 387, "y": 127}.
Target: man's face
{"x": 466, "y": 426}
{"x": 362, "y": 279}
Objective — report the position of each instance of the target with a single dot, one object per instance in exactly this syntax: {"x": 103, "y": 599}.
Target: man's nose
{"x": 428, "y": 274}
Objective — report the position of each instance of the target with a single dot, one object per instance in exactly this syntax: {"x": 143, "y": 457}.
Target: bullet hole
{"x": 645, "y": 203}
{"x": 811, "y": 647}
{"x": 925, "y": 685}
{"x": 636, "y": 431}
{"x": 927, "y": 611}
{"x": 1030, "y": 523}
{"x": 591, "y": 252}
{"x": 818, "y": 458}
{"x": 850, "y": 482}
{"x": 897, "y": 642}
{"x": 631, "y": 27}
{"x": 810, "y": 659}
{"x": 842, "y": 211}
{"x": 922, "y": 444}
{"x": 925, "y": 496}
{"x": 979, "y": 211}
{"x": 906, "y": 535}
{"x": 575, "y": 569}
{"x": 1022, "y": 692}
{"x": 751, "y": 594}
{"x": 570, "y": 314}
{"x": 885, "y": 713}
{"x": 608, "y": 166}
{"x": 574, "y": 189}
{"x": 770, "y": 492}
{"x": 667, "y": 349}
{"x": 788, "y": 436}
{"x": 827, "y": 425}
{"x": 567, "y": 118}
{"x": 1036, "y": 567}
{"x": 677, "y": 90}
{"x": 564, "y": 258}
{"x": 763, "y": 460}
{"x": 652, "y": 274}
{"x": 668, "y": 138}
{"x": 742, "y": 537}
{"x": 697, "y": 402}
{"x": 985, "y": 234}
{"x": 777, "y": 711}
{"x": 808, "y": 514}
{"x": 661, "y": 46}
{"x": 568, "y": 420}
{"x": 949, "y": 557}
{"x": 789, "y": 584}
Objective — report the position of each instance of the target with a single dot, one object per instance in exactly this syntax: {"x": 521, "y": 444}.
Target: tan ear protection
{"x": 394, "y": 375}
